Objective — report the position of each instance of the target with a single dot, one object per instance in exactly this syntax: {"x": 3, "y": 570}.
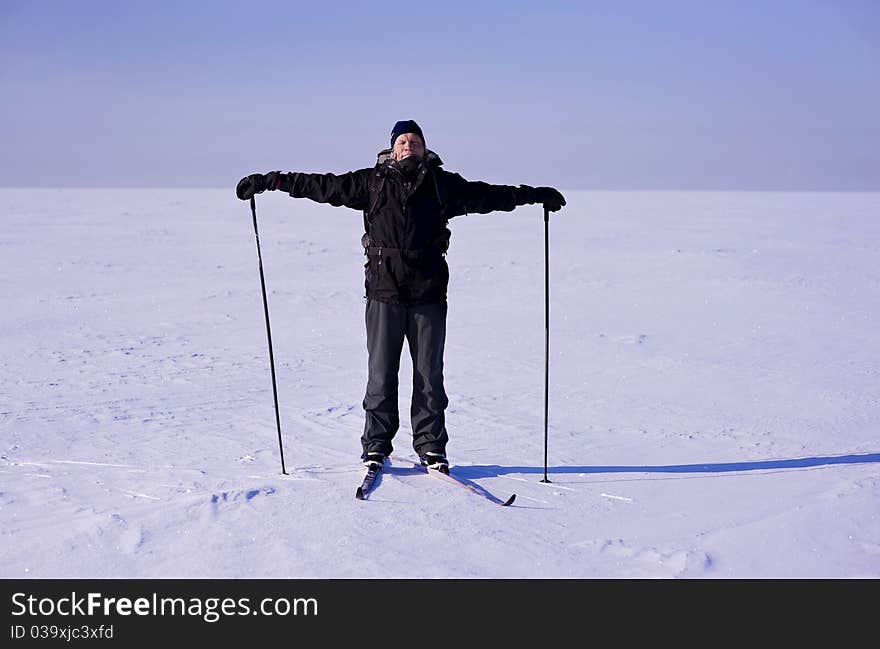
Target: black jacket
{"x": 405, "y": 216}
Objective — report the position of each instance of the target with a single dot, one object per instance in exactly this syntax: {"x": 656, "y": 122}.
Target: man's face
{"x": 406, "y": 145}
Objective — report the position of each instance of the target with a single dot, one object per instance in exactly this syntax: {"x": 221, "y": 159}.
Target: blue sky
{"x": 581, "y": 95}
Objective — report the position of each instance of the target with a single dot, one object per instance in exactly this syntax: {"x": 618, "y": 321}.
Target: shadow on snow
{"x": 492, "y": 470}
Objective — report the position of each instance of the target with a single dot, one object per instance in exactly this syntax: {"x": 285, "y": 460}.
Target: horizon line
{"x": 569, "y": 189}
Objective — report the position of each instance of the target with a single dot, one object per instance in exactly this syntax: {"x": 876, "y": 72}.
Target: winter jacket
{"x": 405, "y": 219}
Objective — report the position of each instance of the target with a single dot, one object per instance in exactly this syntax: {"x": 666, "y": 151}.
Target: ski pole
{"x": 546, "y": 330}
{"x": 268, "y": 334}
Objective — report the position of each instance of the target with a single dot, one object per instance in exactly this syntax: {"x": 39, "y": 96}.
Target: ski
{"x": 444, "y": 475}
{"x": 369, "y": 480}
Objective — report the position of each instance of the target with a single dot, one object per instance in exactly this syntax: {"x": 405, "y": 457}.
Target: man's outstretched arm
{"x": 477, "y": 197}
{"x": 348, "y": 189}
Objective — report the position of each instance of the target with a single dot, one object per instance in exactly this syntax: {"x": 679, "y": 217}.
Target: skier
{"x": 407, "y": 200}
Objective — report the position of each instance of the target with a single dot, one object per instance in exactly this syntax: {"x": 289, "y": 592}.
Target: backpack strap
{"x": 442, "y": 194}
{"x": 442, "y": 241}
{"x": 377, "y": 182}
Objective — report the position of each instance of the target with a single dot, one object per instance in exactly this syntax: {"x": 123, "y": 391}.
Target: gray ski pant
{"x": 424, "y": 328}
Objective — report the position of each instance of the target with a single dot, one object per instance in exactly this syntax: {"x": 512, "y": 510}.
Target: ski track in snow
{"x": 700, "y": 343}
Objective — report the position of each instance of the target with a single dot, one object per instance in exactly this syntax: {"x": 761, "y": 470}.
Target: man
{"x": 407, "y": 200}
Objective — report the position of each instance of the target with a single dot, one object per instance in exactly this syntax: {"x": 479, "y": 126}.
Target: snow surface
{"x": 714, "y": 391}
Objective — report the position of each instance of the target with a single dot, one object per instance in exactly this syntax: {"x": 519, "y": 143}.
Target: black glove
{"x": 550, "y": 197}
{"x": 258, "y": 183}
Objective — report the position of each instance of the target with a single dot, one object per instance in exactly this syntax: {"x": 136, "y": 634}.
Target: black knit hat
{"x": 406, "y": 126}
